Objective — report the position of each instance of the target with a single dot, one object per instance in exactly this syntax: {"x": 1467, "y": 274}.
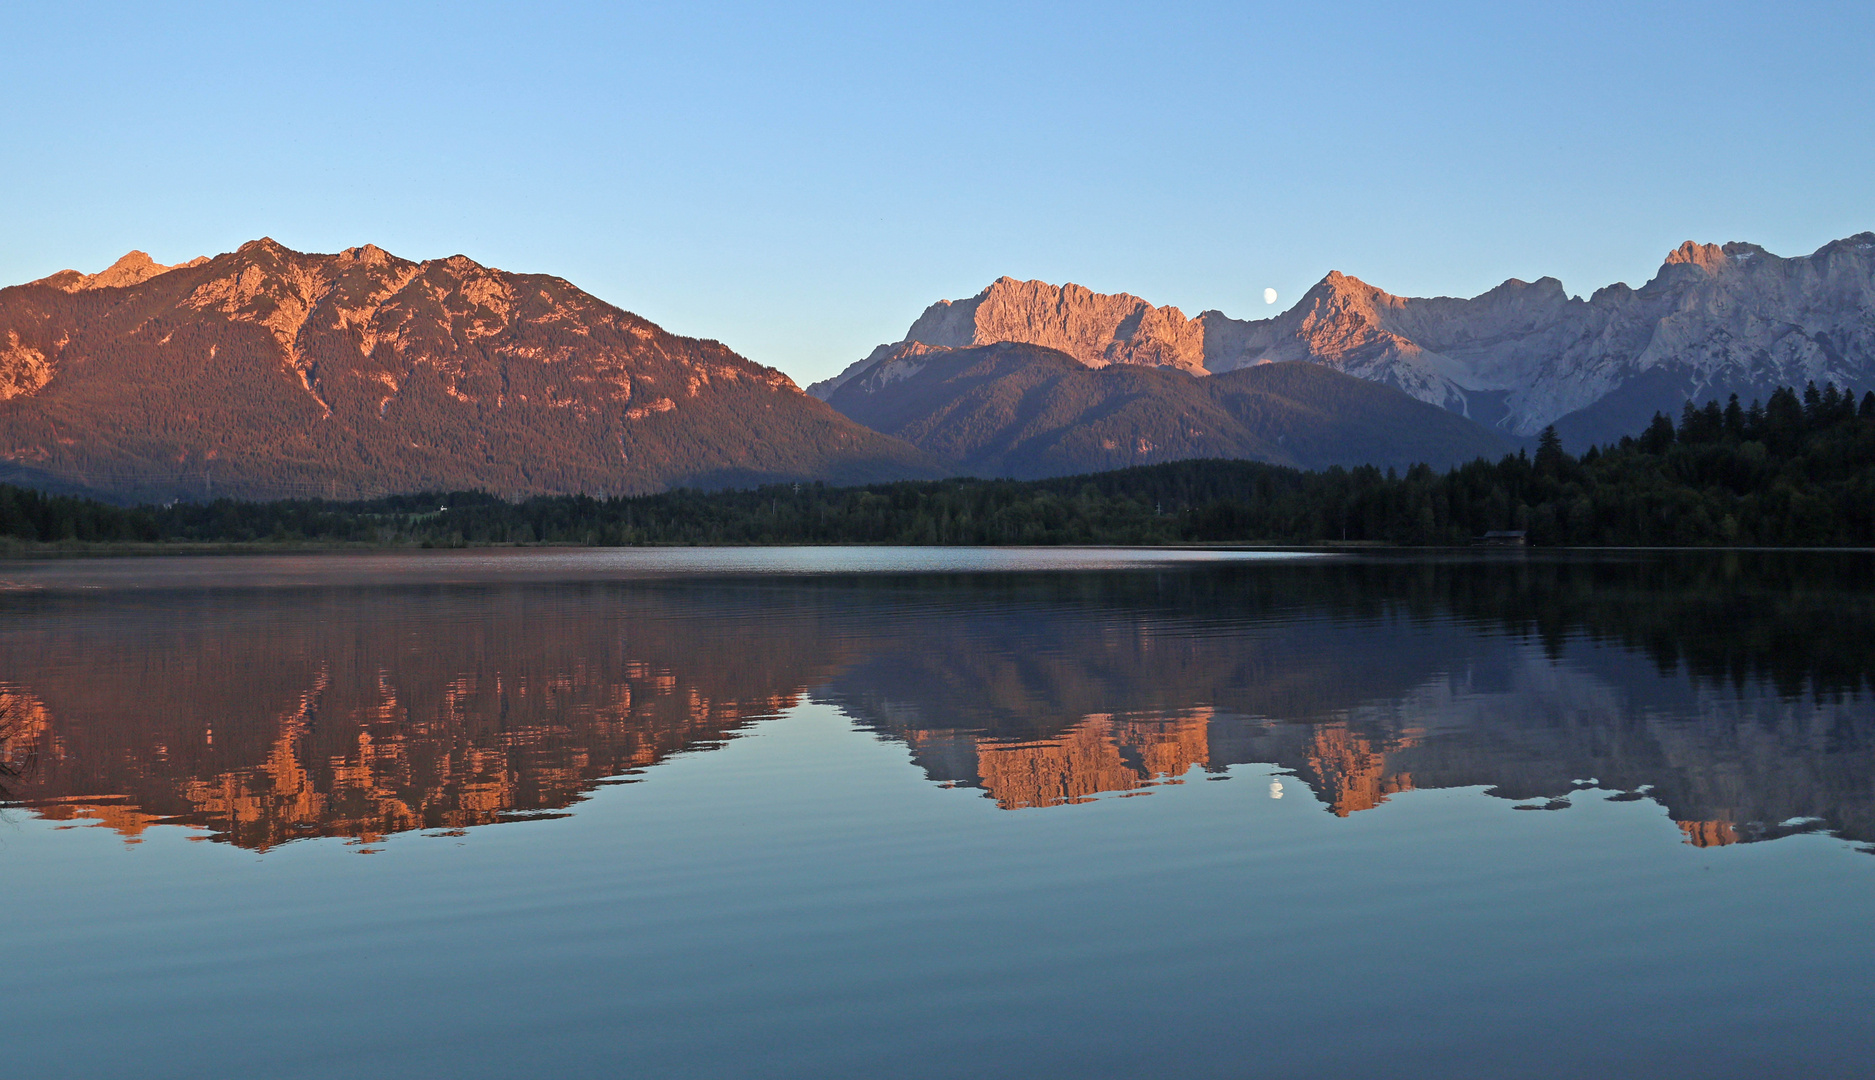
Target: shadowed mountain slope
{"x": 1026, "y": 411}
{"x": 268, "y": 372}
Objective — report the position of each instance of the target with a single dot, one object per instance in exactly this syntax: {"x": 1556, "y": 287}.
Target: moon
{"x": 1269, "y": 296}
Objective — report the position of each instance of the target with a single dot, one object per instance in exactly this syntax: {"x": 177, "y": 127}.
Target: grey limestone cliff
{"x": 1714, "y": 320}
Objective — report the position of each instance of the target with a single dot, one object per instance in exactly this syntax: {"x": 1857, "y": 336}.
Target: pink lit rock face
{"x": 267, "y": 372}
{"x": 1716, "y": 319}
{"x": 1095, "y": 328}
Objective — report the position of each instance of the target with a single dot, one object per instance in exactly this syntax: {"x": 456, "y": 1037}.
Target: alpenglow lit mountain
{"x": 268, "y": 372}
{"x": 1714, "y": 320}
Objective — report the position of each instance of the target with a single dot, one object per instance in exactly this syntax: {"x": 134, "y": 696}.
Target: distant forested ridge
{"x": 1798, "y": 470}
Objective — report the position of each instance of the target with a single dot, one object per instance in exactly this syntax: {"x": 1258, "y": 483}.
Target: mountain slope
{"x": 268, "y": 372}
{"x": 1714, "y": 320}
{"x": 1025, "y": 411}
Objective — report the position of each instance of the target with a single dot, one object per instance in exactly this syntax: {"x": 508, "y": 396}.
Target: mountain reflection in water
{"x": 1733, "y": 689}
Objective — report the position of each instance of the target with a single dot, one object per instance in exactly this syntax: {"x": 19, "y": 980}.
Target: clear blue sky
{"x": 800, "y": 184}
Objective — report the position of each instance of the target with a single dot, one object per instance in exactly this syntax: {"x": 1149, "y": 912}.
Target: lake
{"x": 939, "y": 812}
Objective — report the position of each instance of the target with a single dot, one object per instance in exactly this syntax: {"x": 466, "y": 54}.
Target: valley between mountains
{"x": 267, "y": 372}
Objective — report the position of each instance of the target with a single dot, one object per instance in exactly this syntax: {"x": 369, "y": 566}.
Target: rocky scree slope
{"x": 268, "y": 372}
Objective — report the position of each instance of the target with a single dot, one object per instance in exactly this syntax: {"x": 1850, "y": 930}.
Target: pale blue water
{"x": 888, "y": 822}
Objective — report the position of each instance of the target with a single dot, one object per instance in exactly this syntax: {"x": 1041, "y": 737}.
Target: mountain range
{"x": 1715, "y": 320}
{"x": 267, "y": 372}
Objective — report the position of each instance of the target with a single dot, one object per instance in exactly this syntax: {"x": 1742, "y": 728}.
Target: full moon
{"x": 1269, "y": 296}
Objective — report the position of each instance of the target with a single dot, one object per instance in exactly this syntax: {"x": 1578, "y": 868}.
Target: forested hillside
{"x": 1797, "y": 470}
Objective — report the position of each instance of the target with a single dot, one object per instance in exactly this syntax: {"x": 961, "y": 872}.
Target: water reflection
{"x": 1735, "y": 690}
{"x": 268, "y": 717}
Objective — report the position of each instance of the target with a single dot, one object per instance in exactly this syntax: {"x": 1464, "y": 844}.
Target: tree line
{"x": 1797, "y": 469}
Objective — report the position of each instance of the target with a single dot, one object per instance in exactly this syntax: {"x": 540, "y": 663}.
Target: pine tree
{"x": 1551, "y": 461}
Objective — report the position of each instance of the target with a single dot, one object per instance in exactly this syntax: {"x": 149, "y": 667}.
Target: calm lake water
{"x": 913, "y": 812}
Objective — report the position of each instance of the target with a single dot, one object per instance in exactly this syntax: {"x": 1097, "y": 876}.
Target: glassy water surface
{"x": 910, "y": 812}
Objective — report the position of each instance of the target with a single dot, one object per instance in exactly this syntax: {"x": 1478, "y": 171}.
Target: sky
{"x": 800, "y": 182}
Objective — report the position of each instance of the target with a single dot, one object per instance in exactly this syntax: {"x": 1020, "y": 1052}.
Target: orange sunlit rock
{"x": 278, "y": 373}
{"x": 124, "y": 820}
{"x": 1098, "y": 755}
{"x": 356, "y": 728}
{"x": 1709, "y": 833}
{"x": 1352, "y": 772}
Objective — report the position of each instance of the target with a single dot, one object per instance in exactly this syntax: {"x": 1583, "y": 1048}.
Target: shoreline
{"x": 15, "y": 551}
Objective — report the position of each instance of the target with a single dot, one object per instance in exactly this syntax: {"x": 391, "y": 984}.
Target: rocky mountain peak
{"x": 368, "y": 255}
{"x": 134, "y": 268}
{"x": 1705, "y": 256}
{"x": 1339, "y": 282}
{"x": 1861, "y": 243}
{"x": 1096, "y": 329}
{"x": 1714, "y": 257}
{"x": 1341, "y": 318}
{"x": 1342, "y": 288}
{"x": 266, "y": 245}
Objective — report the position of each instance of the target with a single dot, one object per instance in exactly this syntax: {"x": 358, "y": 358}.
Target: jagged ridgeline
{"x": 1796, "y": 470}
{"x": 268, "y": 373}
{"x": 1713, "y": 321}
